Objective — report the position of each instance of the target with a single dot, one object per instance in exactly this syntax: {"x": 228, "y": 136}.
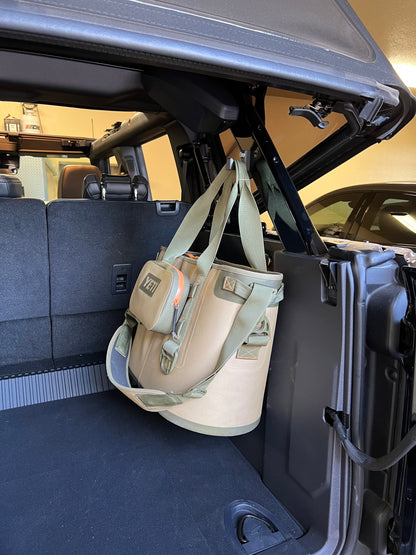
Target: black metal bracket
{"x": 315, "y": 112}
{"x": 330, "y": 288}
{"x": 302, "y": 237}
{"x": 408, "y": 327}
{"x": 329, "y": 417}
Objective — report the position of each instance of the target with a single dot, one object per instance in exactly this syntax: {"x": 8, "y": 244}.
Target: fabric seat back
{"x": 96, "y": 252}
{"x": 24, "y": 285}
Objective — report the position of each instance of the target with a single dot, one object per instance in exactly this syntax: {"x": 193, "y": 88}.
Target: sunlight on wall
{"x": 393, "y": 160}
{"x": 59, "y": 120}
{"x": 161, "y": 168}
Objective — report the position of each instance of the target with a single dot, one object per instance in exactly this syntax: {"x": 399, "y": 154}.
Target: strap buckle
{"x": 169, "y": 356}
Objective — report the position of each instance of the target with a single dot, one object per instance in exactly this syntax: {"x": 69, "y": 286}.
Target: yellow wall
{"x": 58, "y": 120}
{"x": 392, "y": 26}
{"x": 161, "y": 169}
{"x": 393, "y": 160}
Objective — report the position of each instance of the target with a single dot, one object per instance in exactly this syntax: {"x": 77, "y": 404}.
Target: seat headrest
{"x": 10, "y": 186}
{"x": 71, "y": 180}
{"x": 140, "y": 187}
{"x": 115, "y": 187}
{"x": 92, "y": 187}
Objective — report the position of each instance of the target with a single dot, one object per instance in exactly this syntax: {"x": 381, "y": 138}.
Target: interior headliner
{"x": 45, "y": 79}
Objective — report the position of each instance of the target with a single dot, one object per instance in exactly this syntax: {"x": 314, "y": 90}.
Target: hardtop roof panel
{"x": 316, "y": 45}
{"x": 319, "y": 23}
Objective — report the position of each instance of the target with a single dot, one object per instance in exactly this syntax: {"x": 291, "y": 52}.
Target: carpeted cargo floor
{"x": 95, "y": 474}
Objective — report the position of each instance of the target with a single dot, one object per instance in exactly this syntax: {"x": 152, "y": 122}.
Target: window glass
{"x": 391, "y": 220}
{"x": 294, "y": 136}
{"x": 114, "y": 166}
{"x": 161, "y": 169}
{"x": 332, "y": 216}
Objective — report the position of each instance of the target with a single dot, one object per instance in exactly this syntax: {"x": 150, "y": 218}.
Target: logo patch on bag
{"x": 248, "y": 352}
{"x": 149, "y": 284}
{"x": 229, "y": 284}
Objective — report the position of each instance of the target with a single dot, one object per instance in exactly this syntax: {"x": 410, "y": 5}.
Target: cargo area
{"x": 282, "y": 100}
{"x": 93, "y": 474}
{"x": 85, "y": 470}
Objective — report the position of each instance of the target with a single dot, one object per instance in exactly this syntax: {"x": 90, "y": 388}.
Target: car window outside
{"x": 391, "y": 219}
{"x": 332, "y": 216}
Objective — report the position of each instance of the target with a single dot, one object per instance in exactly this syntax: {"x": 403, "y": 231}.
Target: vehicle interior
{"x": 84, "y": 470}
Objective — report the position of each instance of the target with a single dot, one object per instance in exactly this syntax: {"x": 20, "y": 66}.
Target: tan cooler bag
{"x": 196, "y": 342}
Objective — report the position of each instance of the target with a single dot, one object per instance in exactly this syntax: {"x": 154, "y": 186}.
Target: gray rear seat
{"x": 96, "y": 252}
{"x": 24, "y": 284}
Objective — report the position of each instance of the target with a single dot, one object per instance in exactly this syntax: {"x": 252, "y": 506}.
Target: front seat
{"x": 71, "y": 180}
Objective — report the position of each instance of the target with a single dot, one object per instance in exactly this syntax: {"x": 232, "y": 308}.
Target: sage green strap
{"x": 243, "y": 290}
{"x": 123, "y": 341}
{"x": 248, "y": 217}
{"x": 195, "y": 218}
{"x": 154, "y": 400}
{"x": 249, "y": 222}
{"x": 275, "y": 201}
{"x": 221, "y": 214}
{"x": 249, "y": 314}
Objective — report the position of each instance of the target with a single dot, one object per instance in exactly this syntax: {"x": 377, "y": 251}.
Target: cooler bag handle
{"x": 252, "y": 241}
{"x": 196, "y": 217}
{"x": 118, "y": 354}
{"x": 248, "y": 217}
{"x": 249, "y": 223}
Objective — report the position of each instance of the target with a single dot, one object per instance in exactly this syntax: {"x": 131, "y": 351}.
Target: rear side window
{"x": 332, "y": 216}
{"x": 391, "y": 219}
{"x": 161, "y": 169}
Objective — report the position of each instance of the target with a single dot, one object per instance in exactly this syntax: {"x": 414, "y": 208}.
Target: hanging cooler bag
{"x": 196, "y": 342}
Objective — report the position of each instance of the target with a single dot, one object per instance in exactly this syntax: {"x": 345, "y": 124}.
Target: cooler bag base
{"x": 208, "y": 430}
